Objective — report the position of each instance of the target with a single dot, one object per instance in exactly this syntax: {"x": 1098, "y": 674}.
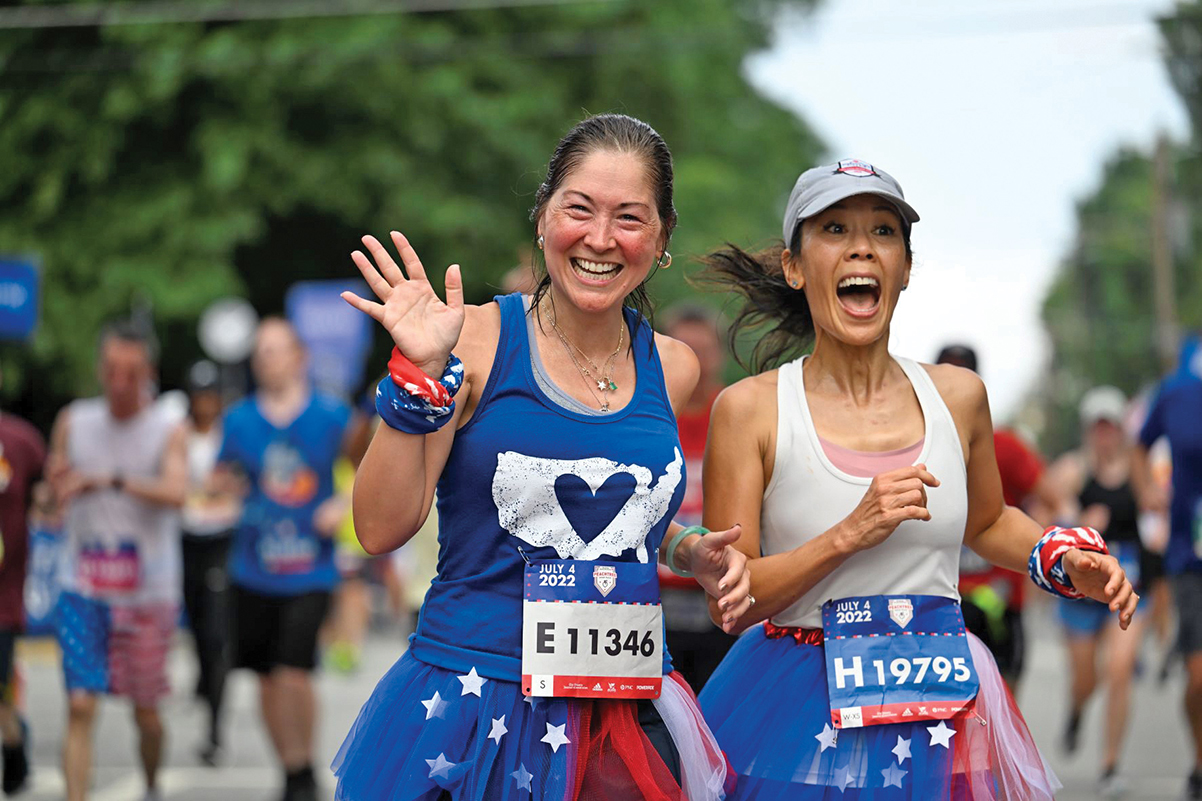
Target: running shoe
{"x": 1193, "y": 786}
{"x": 1111, "y": 785}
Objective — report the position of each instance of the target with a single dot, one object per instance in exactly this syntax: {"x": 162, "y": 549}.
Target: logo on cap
{"x": 856, "y": 168}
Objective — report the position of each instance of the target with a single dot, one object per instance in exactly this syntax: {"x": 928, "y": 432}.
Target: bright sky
{"x": 996, "y": 116}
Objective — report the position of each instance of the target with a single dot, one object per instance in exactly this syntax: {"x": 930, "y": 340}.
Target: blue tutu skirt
{"x": 427, "y": 733}
{"x": 767, "y": 705}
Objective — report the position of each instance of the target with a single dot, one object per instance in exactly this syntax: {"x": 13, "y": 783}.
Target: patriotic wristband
{"x": 410, "y": 403}
{"x": 412, "y": 380}
{"x": 1046, "y": 563}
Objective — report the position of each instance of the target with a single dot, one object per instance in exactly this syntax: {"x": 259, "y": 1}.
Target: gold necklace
{"x": 601, "y": 378}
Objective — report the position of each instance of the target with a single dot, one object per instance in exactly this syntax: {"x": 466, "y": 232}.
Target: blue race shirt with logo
{"x": 528, "y": 479}
{"x": 1176, "y": 413}
{"x": 290, "y": 471}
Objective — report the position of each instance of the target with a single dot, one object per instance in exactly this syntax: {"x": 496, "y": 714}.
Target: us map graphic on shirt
{"x": 288, "y": 481}
{"x": 527, "y": 491}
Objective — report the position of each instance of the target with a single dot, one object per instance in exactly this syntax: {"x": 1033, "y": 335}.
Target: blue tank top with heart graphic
{"x": 528, "y": 479}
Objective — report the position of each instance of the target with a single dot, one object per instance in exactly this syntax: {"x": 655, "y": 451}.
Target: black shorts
{"x": 277, "y": 630}
{"x": 1187, "y": 592}
{"x": 1004, "y": 637}
{"x": 8, "y": 646}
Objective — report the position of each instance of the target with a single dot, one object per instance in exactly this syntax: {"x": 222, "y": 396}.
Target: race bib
{"x": 106, "y": 570}
{"x": 893, "y": 658}
{"x": 285, "y": 551}
{"x": 592, "y": 630}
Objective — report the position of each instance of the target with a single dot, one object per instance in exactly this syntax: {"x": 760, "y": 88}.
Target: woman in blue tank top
{"x": 859, "y": 476}
{"x": 538, "y": 669}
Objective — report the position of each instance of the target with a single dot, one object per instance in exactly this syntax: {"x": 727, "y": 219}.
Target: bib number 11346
{"x": 592, "y": 630}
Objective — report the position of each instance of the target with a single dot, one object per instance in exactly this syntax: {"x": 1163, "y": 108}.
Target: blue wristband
{"x": 413, "y": 415}
{"x": 674, "y": 543}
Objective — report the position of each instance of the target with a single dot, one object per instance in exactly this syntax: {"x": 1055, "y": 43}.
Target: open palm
{"x": 423, "y": 328}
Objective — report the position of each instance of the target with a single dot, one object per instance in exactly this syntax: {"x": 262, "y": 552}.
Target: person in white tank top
{"x": 118, "y": 464}
{"x": 856, "y": 476}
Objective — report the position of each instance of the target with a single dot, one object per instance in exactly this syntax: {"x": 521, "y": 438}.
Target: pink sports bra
{"x": 869, "y": 464}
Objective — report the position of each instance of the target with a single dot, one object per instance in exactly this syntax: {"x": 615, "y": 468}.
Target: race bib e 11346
{"x": 592, "y": 630}
{"x": 893, "y": 658}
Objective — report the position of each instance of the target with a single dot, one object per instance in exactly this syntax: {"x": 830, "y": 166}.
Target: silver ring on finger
{"x": 751, "y": 599}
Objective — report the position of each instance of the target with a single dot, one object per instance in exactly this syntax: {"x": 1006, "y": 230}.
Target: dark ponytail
{"x": 770, "y": 301}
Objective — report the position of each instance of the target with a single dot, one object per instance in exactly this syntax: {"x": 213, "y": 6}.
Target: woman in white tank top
{"x": 856, "y": 477}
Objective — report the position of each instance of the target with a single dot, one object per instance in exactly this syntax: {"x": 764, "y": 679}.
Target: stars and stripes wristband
{"x": 411, "y": 401}
{"x": 1046, "y": 563}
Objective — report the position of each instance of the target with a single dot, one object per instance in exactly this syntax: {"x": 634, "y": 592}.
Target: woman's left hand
{"x": 721, "y": 570}
{"x": 1100, "y": 577}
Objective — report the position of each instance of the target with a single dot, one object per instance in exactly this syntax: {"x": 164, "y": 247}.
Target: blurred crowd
{"x": 229, "y": 518}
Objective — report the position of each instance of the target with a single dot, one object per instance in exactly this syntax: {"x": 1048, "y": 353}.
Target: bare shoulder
{"x": 481, "y": 332}
{"x": 961, "y": 389}
{"x": 681, "y": 368}
{"x": 749, "y": 399}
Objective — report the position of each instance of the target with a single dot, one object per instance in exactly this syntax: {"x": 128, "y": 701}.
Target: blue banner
{"x": 337, "y": 336}
{"x": 20, "y": 296}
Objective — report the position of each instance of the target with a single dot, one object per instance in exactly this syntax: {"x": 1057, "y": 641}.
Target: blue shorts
{"x": 82, "y": 627}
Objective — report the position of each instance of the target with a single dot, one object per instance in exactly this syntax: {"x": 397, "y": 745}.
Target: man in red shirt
{"x": 22, "y": 456}
{"x": 992, "y": 597}
{"x": 696, "y": 644}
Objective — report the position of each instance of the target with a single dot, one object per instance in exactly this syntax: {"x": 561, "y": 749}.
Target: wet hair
{"x": 131, "y": 332}
{"x": 768, "y": 300}
{"x": 621, "y": 134}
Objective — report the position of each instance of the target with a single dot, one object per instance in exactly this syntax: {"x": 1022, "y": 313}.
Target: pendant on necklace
{"x": 605, "y": 406}
{"x": 605, "y": 385}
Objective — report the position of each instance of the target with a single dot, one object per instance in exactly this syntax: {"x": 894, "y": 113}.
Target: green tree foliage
{"x": 172, "y": 164}
{"x": 1099, "y": 312}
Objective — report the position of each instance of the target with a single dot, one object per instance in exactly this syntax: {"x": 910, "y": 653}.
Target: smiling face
{"x": 852, "y": 265}
{"x": 601, "y": 232}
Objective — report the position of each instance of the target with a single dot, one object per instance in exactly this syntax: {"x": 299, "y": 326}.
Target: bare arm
{"x": 1005, "y": 535}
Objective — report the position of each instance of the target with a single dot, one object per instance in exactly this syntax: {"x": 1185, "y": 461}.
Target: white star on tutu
{"x": 498, "y": 729}
{"x": 893, "y": 776}
{"x": 522, "y": 778}
{"x": 472, "y": 683}
{"x": 555, "y": 737}
{"x": 434, "y": 706}
{"x": 843, "y": 779}
{"x": 440, "y": 766}
{"x": 828, "y": 737}
{"x": 941, "y": 734}
{"x": 902, "y": 749}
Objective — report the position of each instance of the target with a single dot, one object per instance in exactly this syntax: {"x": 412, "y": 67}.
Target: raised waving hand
{"x": 423, "y": 328}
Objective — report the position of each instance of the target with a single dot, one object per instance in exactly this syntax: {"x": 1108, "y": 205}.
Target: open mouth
{"x": 595, "y": 270}
{"x": 859, "y": 294}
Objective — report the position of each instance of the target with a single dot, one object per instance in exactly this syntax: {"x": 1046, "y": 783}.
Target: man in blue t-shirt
{"x": 1176, "y": 414}
{"x": 279, "y": 446}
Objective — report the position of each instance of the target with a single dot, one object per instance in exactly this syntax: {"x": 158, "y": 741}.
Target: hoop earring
{"x": 540, "y": 241}
{"x": 664, "y": 261}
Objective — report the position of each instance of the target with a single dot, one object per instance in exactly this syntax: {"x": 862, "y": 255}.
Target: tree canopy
{"x": 168, "y": 165}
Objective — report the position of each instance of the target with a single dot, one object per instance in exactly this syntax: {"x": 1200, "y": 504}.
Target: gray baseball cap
{"x": 819, "y": 188}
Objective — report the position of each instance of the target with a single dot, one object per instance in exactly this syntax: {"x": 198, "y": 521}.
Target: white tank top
{"x": 104, "y": 521}
{"x": 808, "y": 495}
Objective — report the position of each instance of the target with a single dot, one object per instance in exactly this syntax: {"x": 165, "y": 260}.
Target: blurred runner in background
{"x": 22, "y": 455}
{"x": 207, "y": 521}
{"x": 1174, "y": 415}
{"x": 278, "y": 448}
{"x": 119, "y": 465}
{"x": 992, "y": 596}
{"x": 1098, "y": 480}
{"x": 696, "y": 644}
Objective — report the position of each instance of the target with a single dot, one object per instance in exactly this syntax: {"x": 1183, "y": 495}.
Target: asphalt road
{"x": 1155, "y": 763}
